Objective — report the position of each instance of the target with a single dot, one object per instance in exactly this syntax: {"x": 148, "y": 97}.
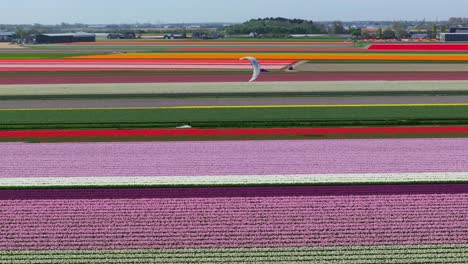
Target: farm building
{"x": 456, "y": 34}
{"x": 175, "y": 36}
{"x": 127, "y": 35}
{"x": 7, "y": 36}
{"x": 450, "y": 37}
{"x": 64, "y": 38}
{"x": 418, "y": 35}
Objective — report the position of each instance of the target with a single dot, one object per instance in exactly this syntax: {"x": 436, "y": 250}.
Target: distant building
{"x": 370, "y": 31}
{"x": 127, "y": 35}
{"x": 7, "y": 36}
{"x": 175, "y": 36}
{"x": 212, "y": 35}
{"x": 64, "y": 38}
{"x": 419, "y": 35}
{"x": 458, "y": 30}
{"x": 453, "y": 37}
{"x": 253, "y": 34}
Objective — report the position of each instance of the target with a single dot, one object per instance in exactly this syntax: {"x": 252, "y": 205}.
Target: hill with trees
{"x": 277, "y": 26}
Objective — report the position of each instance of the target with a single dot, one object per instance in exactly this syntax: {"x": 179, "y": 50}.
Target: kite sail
{"x": 256, "y": 67}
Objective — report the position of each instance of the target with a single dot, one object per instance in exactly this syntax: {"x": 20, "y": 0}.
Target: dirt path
{"x": 234, "y": 88}
{"x": 7, "y": 45}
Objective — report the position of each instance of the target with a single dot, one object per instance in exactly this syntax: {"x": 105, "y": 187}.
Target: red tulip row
{"x": 421, "y": 47}
{"x": 227, "y": 132}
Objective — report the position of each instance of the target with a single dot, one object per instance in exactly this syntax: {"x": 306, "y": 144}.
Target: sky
{"x": 186, "y": 11}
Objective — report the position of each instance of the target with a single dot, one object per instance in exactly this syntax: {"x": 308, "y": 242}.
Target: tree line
{"x": 278, "y": 26}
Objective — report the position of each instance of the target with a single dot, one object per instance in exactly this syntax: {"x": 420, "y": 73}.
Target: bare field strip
{"x": 233, "y": 101}
{"x": 7, "y": 45}
{"x": 381, "y": 67}
{"x": 232, "y": 88}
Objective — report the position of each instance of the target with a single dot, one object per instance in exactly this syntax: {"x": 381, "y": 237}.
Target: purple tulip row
{"x": 233, "y": 158}
{"x": 213, "y": 218}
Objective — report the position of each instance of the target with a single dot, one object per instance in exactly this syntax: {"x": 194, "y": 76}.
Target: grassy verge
{"x": 235, "y": 117}
{"x": 444, "y": 253}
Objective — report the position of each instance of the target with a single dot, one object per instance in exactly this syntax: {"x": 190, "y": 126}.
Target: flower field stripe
{"x": 133, "y": 61}
{"x": 195, "y": 76}
{"x": 234, "y": 180}
{"x": 241, "y": 88}
{"x": 435, "y": 47}
{"x": 228, "y": 132}
{"x": 255, "y": 217}
{"x": 52, "y": 65}
{"x": 47, "y": 68}
{"x": 286, "y": 56}
{"x": 217, "y": 158}
{"x": 362, "y": 254}
{"x": 265, "y": 49}
{"x": 242, "y": 107}
{"x": 226, "y": 192}
{"x": 236, "y": 43}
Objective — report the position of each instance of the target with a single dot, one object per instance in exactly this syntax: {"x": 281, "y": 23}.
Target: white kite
{"x": 256, "y": 67}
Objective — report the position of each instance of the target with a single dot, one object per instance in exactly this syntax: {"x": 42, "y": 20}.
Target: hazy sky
{"x": 178, "y": 11}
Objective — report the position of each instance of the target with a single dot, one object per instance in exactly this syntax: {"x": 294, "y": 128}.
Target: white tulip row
{"x": 295, "y": 179}
{"x": 239, "y": 87}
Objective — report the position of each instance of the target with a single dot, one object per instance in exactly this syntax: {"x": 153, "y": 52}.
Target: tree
{"x": 400, "y": 30}
{"x": 338, "y": 28}
{"x": 356, "y": 33}
{"x": 22, "y": 33}
{"x": 434, "y": 31}
{"x": 281, "y": 26}
{"x": 388, "y": 34}
{"x": 443, "y": 28}
{"x": 458, "y": 21}
{"x": 380, "y": 33}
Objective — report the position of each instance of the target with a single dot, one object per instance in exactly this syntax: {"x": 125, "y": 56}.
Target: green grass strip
{"x": 351, "y": 254}
{"x": 235, "y": 117}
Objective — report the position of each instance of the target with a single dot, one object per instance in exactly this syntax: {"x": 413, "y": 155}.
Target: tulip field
{"x": 218, "y": 61}
{"x": 162, "y": 152}
{"x": 306, "y": 200}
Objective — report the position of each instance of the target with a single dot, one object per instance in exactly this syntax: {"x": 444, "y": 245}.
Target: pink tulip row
{"x": 233, "y": 158}
{"x": 255, "y": 217}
